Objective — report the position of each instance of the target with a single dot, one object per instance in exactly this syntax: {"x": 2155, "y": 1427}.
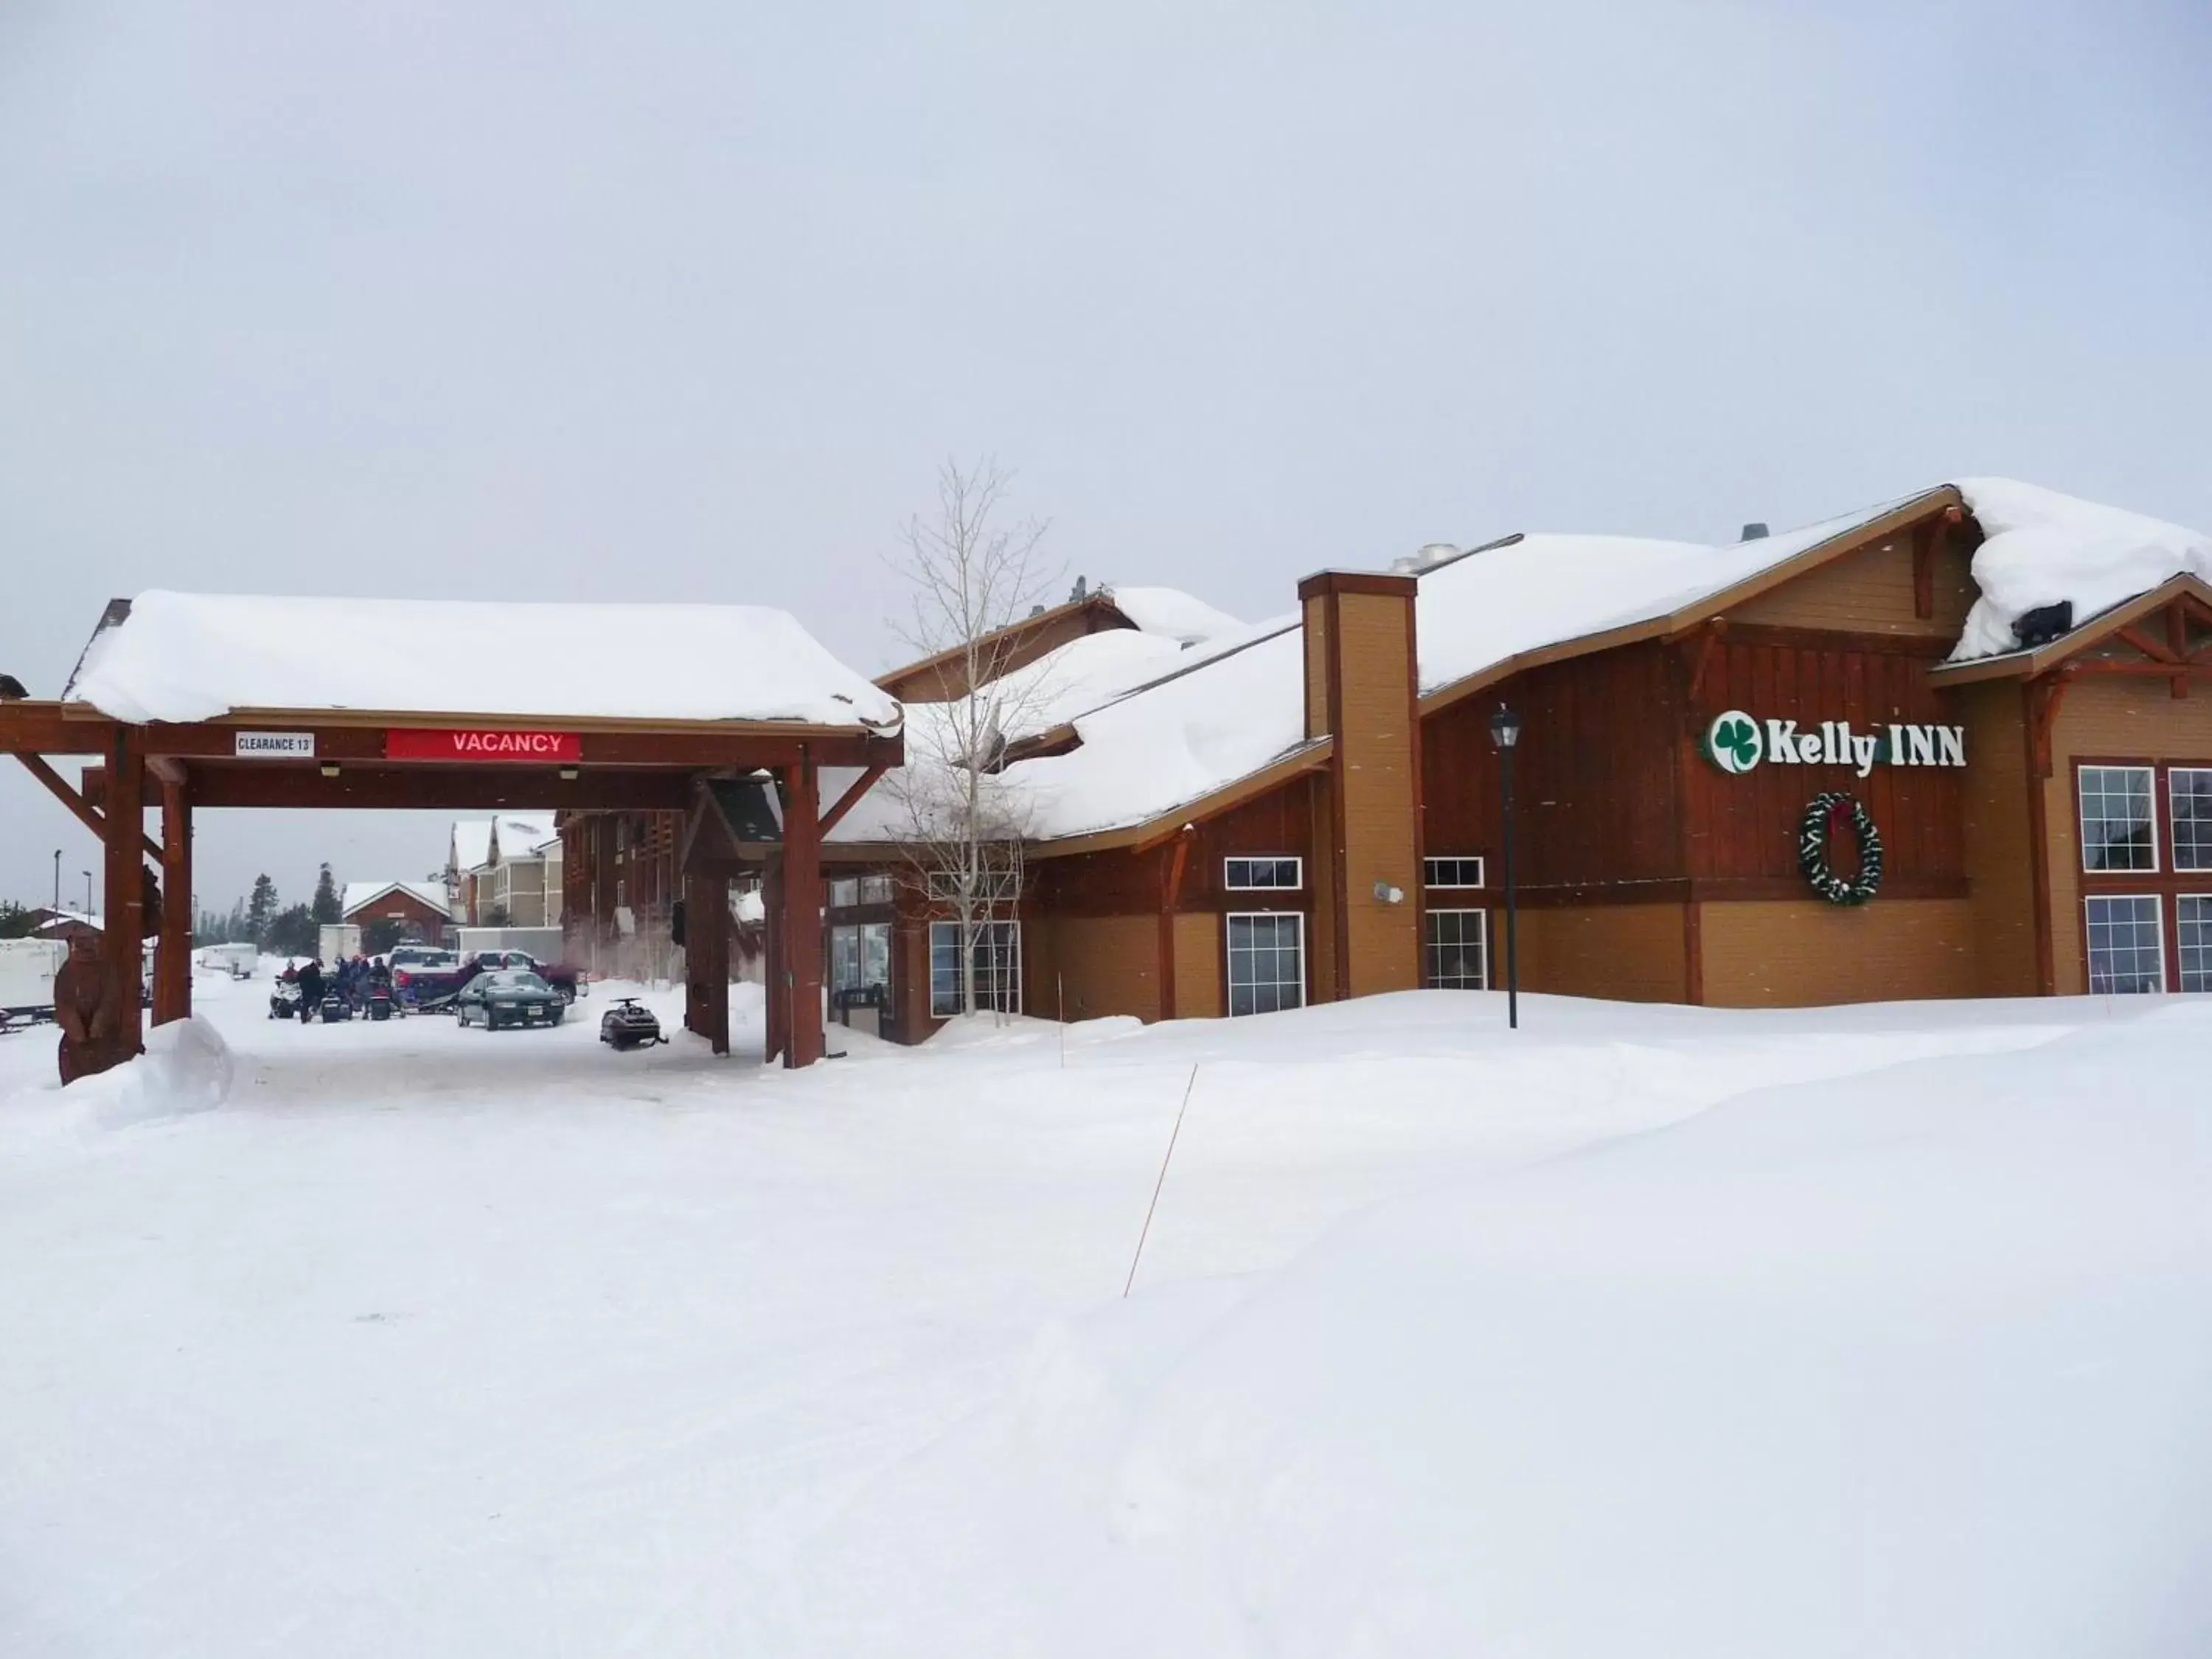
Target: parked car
{"x": 425, "y": 978}
{"x": 508, "y": 997}
{"x": 562, "y": 977}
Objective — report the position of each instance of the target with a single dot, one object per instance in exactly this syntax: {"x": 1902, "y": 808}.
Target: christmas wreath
{"x": 1814, "y": 835}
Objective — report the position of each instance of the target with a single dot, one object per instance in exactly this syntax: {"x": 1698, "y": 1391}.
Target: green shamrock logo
{"x": 1732, "y": 742}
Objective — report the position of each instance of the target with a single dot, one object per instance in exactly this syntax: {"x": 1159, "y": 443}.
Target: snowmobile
{"x": 336, "y": 1007}
{"x": 377, "y": 1005}
{"x": 284, "y": 1001}
{"x": 630, "y": 1025}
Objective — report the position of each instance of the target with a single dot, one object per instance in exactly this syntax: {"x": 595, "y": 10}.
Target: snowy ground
{"x": 434, "y": 1342}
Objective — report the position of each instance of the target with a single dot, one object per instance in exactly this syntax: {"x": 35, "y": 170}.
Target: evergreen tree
{"x": 16, "y": 920}
{"x": 293, "y": 932}
{"x": 237, "y": 930}
{"x": 261, "y": 911}
{"x": 326, "y": 907}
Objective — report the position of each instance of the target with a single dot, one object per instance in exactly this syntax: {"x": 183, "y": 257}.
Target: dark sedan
{"x": 509, "y": 998}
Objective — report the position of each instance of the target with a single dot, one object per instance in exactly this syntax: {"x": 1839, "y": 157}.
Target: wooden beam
{"x": 166, "y": 769}
{"x": 851, "y": 798}
{"x": 802, "y": 914}
{"x": 513, "y": 788}
{"x": 123, "y": 903}
{"x": 40, "y": 727}
{"x": 173, "y": 959}
{"x": 85, "y": 812}
{"x": 2156, "y": 650}
{"x": 747, "y": 747}
{"x": 2153, "y": 671}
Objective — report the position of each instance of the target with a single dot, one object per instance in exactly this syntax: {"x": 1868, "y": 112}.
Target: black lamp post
{"x": 1505, "y": 732}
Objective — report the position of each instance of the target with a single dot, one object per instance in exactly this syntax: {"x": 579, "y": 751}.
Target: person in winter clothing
{"x": 311, "y": 990}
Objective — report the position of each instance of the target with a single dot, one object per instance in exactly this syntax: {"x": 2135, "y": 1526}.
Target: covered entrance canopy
{"x": 189, "y": 700}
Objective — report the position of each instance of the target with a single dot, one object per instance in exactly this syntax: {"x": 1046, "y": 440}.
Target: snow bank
{"x": 2042, "y": 547}
{"x": 195, "y": 656}
{"x": 186, "y": 1068}
{"x": 1914, "y": 1367}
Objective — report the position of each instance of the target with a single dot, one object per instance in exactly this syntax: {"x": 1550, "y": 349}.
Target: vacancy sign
{"x": 544, "y": 748}
{"x": 273, "y": 745}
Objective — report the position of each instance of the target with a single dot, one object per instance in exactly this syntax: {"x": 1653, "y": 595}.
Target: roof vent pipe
{"x": 1754, "y": 531}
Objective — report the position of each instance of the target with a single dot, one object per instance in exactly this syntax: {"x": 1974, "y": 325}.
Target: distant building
{"x": 520, "y": 876}
{"x": 419, "y": 908}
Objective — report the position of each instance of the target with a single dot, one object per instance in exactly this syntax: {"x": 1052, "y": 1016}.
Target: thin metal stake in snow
{"x": 1161, "y": 1182}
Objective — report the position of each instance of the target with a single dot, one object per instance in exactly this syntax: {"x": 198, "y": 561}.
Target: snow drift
{"x": 1912, "y": 1368}
{"x": 186, "y": 1068}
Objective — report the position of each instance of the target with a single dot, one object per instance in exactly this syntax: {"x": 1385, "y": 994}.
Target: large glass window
{"x": 861, "y": 956}
{"x": 2125, "y": 952}
{"x": 875, "y": 889}
{"x": 2193, "y": 934}
{"x": 998, "y": 956}
{"x": 2116, "y": 832}
{"x": 1267, "y": 963}
{"x": 1458, "y": 946}
{"x": 844, "y": 893}
{"x": 2189, "y": 794}
{"x": 1248, "y": 875}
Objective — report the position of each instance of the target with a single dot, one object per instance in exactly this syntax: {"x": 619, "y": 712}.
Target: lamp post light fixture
{"x": 88, "y": 895}
{"x": 58, "y": 880}
{"x": 1505, "y": 732}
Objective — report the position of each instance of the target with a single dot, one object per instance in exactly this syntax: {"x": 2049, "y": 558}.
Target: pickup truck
{"x": 432, "y": 984}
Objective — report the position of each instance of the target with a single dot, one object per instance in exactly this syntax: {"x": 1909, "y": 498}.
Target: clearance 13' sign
{"x": 1735, "y": 743}
{"x": 479, "y": 745}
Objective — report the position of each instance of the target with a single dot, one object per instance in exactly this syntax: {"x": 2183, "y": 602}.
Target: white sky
{"x": 672, "y": 301}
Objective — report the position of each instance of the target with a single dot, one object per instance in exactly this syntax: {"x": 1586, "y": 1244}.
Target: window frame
{"x": 2173, "y": 820}
{"x": 2157, "y": 902}
{"x": 2082, "y": 767}
{"x": 2180, "y": 963}
{"x": 1431, "y": 884}
{"x": 982, "y": 928}
{"x": 1296, "y": 885}
{"x": 1430, "y": 977}
{"x": 1229, "y": 921}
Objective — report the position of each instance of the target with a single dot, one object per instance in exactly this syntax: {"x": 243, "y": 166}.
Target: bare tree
{"x": 975, "y": 576}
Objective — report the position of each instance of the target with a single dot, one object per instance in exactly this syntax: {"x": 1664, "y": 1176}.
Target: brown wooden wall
{"x": 1803, "y": 952}
{"x": 1624, "y": 952}
{"x": 2122, "y": 721}
{"x": 1997, "y": 839}
{"x": 1871, "y": 592}
{"x": 1745, "y": 827}
{"x": 1597, "y": 791}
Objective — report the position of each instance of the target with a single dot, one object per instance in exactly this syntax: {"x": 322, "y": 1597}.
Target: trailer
{"x": 340, "y": 941}
{"x": 238, "y": 961}
{"x": 27, "y": 967}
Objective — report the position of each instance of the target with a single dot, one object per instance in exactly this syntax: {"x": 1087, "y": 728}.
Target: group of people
{"x": 352, "y": 978}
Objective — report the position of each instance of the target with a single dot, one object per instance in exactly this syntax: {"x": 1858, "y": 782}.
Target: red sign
{"x": 544, "y": 747}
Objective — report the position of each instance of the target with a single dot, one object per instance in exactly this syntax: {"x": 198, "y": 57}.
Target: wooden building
{"x": 2043, "y": 813}
{"x": 389, "y": 911}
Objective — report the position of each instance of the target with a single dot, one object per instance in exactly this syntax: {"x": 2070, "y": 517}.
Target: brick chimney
{"x": 1361, "y": 685}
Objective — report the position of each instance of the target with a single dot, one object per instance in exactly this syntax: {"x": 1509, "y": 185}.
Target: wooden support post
{"x": 778, "y": 1040}
{"x": 802, "y": 912}
{"x": 172, "y": 961}
{"x": 707, "y": 958}
{"x": 123, "y": 923}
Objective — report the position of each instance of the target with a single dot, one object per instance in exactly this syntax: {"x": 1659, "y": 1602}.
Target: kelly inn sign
{"x": 1736, "y": 743}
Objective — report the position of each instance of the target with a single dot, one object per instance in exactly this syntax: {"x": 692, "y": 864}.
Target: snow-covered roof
{"x": 2041, "y": 547}
{"x": 197, "y": 656}
{"x": 471, "y": 844}
{"x": 359, "y": 893}
{"x": 1225, "y": 710}
{"x": 1173, "y": 613}
{"x": 520, "y": 834}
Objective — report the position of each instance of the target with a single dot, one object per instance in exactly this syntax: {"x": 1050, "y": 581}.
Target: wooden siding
{"x": 1626, "y": 952}
{"x": 1871, "y": 592}
{"x": 1997, "y": 839}
{"x": 2117, "y": 719}
{"x": 942, "y": 677}
{"x": 1745, "y": 826}
{"x": 1200, "y": 969}
{"x": 1802, "y": 953}
{"x": 1100, "y": 965}
{"x": 1596, "y": 787}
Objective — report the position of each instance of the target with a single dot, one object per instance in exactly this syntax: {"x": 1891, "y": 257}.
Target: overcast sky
{"x": 674, "y": 300}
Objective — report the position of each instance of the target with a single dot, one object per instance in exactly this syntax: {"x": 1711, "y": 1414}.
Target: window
{"x": 2125, "y": 952}
{"x": 1451, "y": 873}
{"x": 1458, "y": 950}
{"x": 843, "y": 894}
{"x": 998, "y": 956}
{"x": 2189, "y": 795}
{"x": 859, "y": 956}
{"x": 1250, "y": 875}
{"x": 875, "y": 889}
{"x": 2192, "y": 933}
{"x": 2117, "y": 833}
{"x": 1267, "y": 963}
